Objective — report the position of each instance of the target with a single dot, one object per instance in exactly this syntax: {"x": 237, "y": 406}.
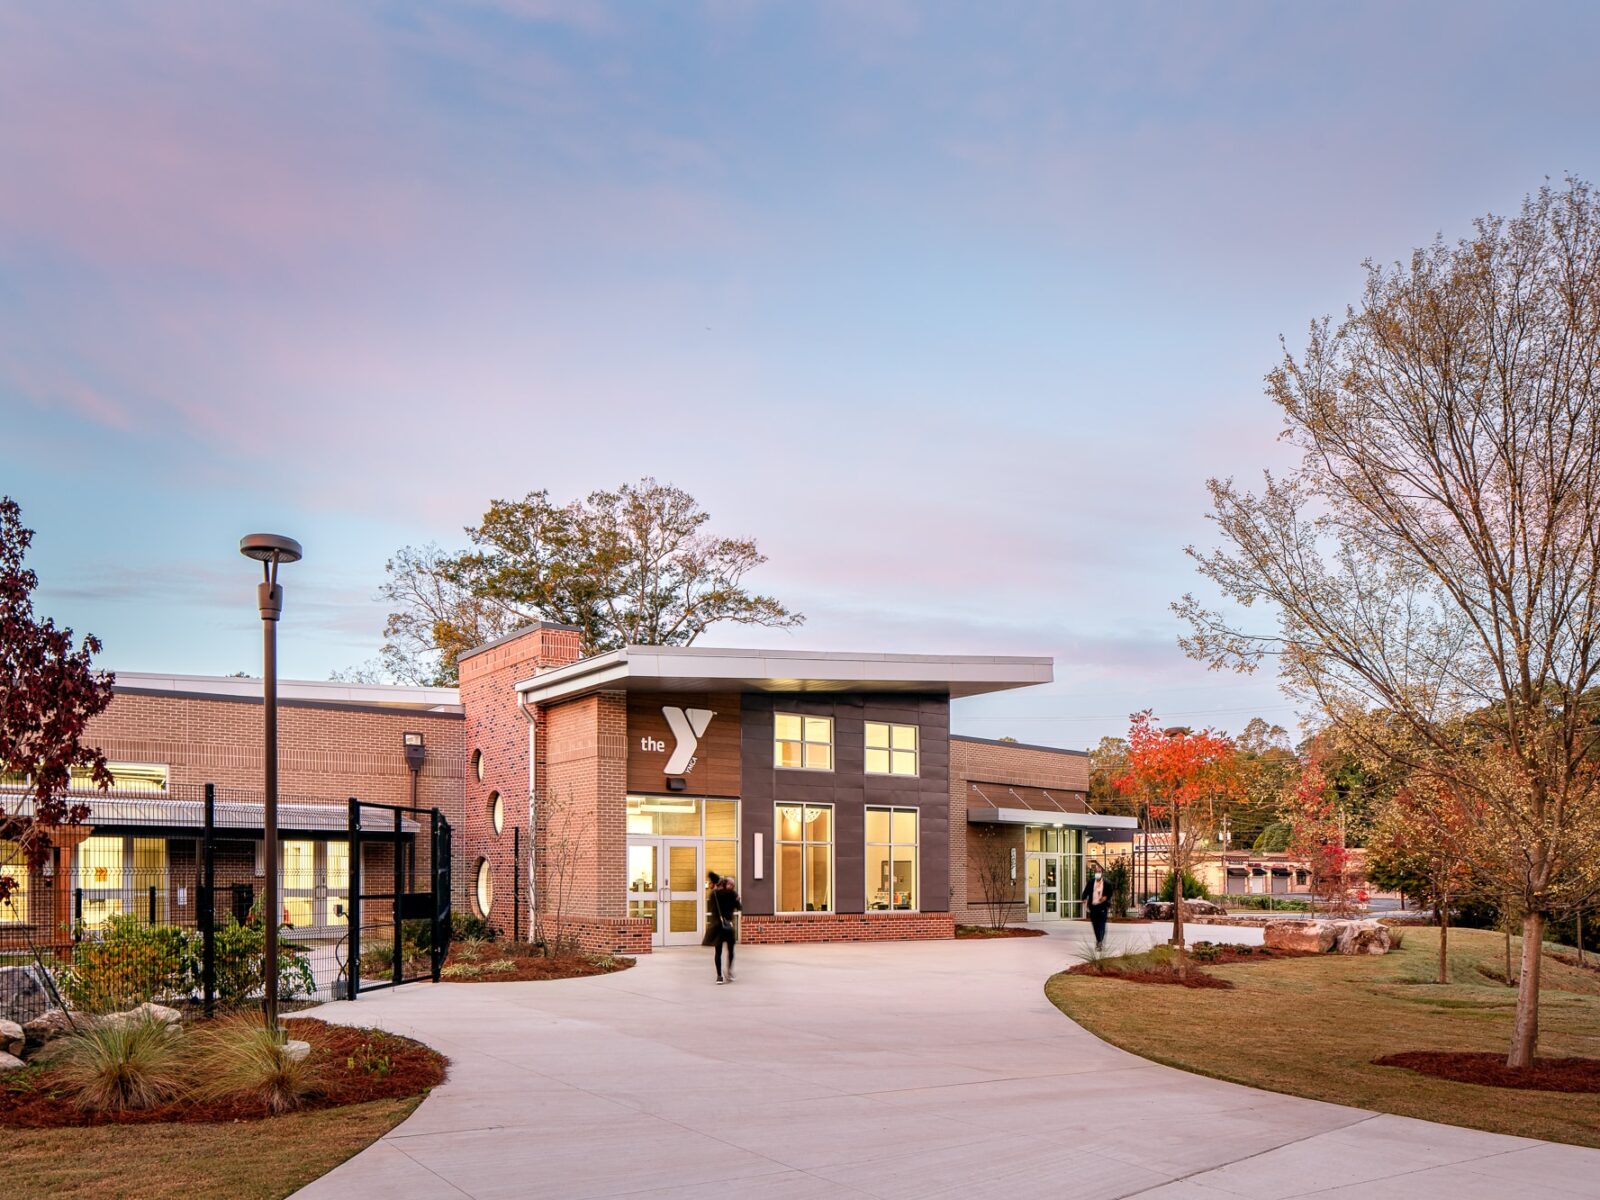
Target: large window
{"x": 148, "y": 778}
{"x": 121, "y": 875}
{"x": 891, "y": 859}
{"x": 717, "y": 821}
{"x": 802, "y": 743}
{"x": 338, "y": 889}
{"x": 299, "y": 882}
{"x": 14, "y": 909}
{"x": 805, "y": 857}
{"x": 891, "y": 749}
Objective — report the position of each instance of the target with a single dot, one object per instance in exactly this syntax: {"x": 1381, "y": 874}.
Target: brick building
{"x": 828, "y": 785}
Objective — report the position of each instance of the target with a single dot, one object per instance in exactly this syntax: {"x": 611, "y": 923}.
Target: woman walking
{"x": 724, "y": 904}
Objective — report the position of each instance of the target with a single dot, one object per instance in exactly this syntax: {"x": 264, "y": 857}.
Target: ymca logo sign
{"x": 687, "y": 725}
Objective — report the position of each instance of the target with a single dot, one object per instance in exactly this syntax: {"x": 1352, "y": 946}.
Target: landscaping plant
{"x": 107, "y": 1066}
{"x": 240, "y": 1057}
{"x": 129, "y": 963}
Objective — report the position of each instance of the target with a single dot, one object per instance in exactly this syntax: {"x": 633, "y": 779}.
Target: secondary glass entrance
{"x": 673, "y": 841}
{"x": 1054, "y": 872}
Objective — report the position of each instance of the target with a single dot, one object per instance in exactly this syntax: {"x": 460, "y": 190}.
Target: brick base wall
{"x": 604, "y": 935}
{"x": 845, "y": 927}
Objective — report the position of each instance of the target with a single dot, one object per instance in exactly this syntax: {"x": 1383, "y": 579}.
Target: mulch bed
{"x": 983, "y": 932}
{"x": 358, "y": 1065}
{"x": 1195, "y": 977}
{"x": 1490, "y": 1070}
{"x": 527, "y": 965}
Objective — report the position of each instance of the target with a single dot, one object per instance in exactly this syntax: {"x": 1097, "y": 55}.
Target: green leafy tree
{"x": 633, "y": 566}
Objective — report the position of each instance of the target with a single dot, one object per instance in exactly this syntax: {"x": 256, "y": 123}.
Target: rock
{"x": 157, "y": 1012}
{"x": 1318, "y": 937}
{"x": 40, "y": 1056}
{"x": 296, "y": 1051}
{"x": 1193, "y": 910}
{"x": 12, "y": 1038}
{"x": 50, "y": 1024}
{"x": 23, "y": 994}
{"x": 10, "y": 1062}
{"x": 1362, "y": 937}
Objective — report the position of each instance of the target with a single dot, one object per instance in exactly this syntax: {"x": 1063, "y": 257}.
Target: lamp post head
{"x": 270, "y": 548}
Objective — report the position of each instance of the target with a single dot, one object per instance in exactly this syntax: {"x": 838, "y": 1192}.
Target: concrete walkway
{"x": 914, "y": 1070}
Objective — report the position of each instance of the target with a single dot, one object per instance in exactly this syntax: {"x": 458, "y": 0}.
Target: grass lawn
{"x": 249, "y": 1160}
{"x": 1311, "y": 1027}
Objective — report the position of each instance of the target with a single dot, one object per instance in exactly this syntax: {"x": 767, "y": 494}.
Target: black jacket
{"x": 724, "y": 903}
{"x": 1088, "y": 893}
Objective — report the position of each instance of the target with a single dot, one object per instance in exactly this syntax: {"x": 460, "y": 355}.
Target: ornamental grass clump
{"x": 237, "y": 1058}
{"x": 108, "y": 1066}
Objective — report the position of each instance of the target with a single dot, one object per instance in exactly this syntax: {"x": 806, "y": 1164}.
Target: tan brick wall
{"x": 1002, "y": 763}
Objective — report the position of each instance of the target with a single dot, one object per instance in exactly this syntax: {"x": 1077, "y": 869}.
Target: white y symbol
{"x": 687, "y": 725}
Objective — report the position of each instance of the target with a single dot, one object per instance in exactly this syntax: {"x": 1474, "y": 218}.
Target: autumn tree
{"x": 634, "y": 566}
{"x": 1418, "y": 847}
{"x": 1317, "y": 831}
{"x": 1188, "y": 780}
{"x": 48, "y": 692}
{"x": 1435, "y": 555}
{"x": 1108, "y": 761}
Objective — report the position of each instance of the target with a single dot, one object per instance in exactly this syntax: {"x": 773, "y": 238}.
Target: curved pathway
{"x": 917, "y": 1070}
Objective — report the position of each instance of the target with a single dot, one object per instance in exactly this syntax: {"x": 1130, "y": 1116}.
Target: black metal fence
{"x": 399, "y": 892}
{"x": 161, "y": 900}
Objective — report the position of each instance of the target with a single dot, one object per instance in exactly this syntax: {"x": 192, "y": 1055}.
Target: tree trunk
{"x": 1579, "y": 938}
{"x": 1444, "y": 941}
{"x": 1525, "y": 1033}
{"x": 1506, "y": 921}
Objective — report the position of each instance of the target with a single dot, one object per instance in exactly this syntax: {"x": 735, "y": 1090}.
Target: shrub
{"x": 109, "y": 1066}
{"x": 1193, "y": 889}
{"x": 239, "y": 1057}
{"x": 1397, "y": 937}
{"x": 130, "y": 962}
{"x": 1205, "y": 952}
{"x": 241, "y": 959}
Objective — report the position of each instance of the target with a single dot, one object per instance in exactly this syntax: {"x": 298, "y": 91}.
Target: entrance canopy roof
{"x": 1095, "y": 822}
{"x": 706, "y": 669}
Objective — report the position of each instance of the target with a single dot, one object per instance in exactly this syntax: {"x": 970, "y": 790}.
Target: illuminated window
{"x": 146, "y": 778}
{"x": 497, "y": 812}
{"x": 485, "y": 887}
{"x": 802, "y": 743}
{"x": 14, "y": 910}
{"x": 891, "y": 859}
{"x": 805, "y": 857}
{"x": 891, "y": 749}
{"x": 299, "y": 872}
{"x": 338, "y": 881}
{"x": 100, "y": 876}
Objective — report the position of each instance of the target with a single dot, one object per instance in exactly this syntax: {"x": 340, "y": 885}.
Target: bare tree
{"x": 1432, "y": 562}
{"x": 992, "y": 867}
{"x": 561, "y": 837}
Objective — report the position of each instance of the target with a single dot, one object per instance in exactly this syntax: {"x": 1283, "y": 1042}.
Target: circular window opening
{"x": 477, "y": 764}
{"x": 485, "y": 887}
{"x": 497, "y": 813}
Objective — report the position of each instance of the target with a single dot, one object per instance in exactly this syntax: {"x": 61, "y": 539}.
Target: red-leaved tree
{"x": 1187, "y": 779}
{"x": 48, "y": 693}
{"x": 1318, "y": 833}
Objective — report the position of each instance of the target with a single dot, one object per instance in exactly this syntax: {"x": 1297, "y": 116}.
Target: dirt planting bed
{"x": 982, "y": 932}
{"x": 1490, "y": 1070}
{"x": 511, "y": 962}
{"x": 355, "y": 1066}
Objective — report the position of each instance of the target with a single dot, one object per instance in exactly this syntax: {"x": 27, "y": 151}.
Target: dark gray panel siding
{"x": 849, "y": 789}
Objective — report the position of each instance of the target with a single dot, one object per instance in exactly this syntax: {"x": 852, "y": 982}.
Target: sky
{"x": 955, "y": 308}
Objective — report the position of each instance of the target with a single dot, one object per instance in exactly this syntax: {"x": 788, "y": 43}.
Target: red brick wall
{"x": 497, "y": 729}
{"x": 845, "y": 927}
{"x": 1003, "y": 763}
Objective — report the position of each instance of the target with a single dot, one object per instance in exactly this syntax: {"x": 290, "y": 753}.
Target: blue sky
{"x": 954, "y": 307}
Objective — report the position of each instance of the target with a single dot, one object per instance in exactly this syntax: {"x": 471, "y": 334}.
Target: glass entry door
{"x": 1044, "y": 887}
{"x": 665, "y": 888}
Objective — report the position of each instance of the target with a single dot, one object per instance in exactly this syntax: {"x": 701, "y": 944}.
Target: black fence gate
{"x": 399, "y": 895}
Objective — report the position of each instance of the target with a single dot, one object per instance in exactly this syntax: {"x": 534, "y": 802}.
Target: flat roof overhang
{"x": 703, "y": 669}
{"x": 1095, "y": 822}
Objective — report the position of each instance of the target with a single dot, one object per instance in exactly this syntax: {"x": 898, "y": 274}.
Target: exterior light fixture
{"x": 416, "y": 754}
{"x": 270, "y": 549}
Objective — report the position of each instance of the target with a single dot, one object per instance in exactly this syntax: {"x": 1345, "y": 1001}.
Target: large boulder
{"x": 1317, "y": 937}
{"x": 12, "y": 1038}
{"x": 1193, "y": 910}
{"x": 157, "y": 1012}
{"x": 47, "y": 1026}
{"x": 10, "y": 1062}
{"x": 1362, "y": 937}
{"x": 23, "y": 994}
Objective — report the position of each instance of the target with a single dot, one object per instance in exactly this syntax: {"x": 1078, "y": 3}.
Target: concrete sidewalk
{"x": 913, "y": 1070}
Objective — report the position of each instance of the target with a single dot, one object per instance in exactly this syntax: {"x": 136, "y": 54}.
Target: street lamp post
{"x": 270, "y": 549}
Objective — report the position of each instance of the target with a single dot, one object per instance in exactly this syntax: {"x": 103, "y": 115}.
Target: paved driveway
{"x": 914, "y": 1070}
